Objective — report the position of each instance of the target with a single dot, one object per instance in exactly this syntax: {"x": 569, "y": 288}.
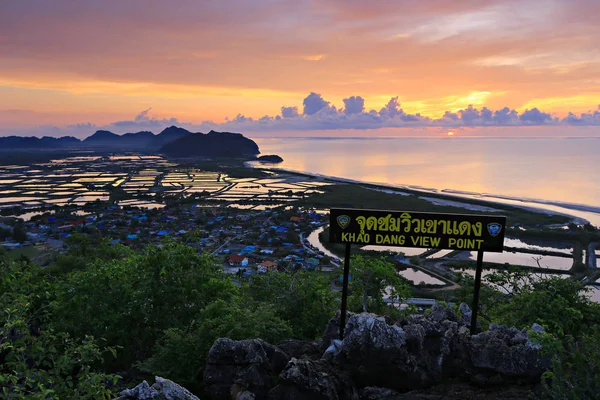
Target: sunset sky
{"x": 70, "y": 66}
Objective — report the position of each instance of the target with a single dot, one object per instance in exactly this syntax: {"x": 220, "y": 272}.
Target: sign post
{"x": 345, "y": 290}
{"x": 416, "y": 229}
{"x": 476, "y": 292}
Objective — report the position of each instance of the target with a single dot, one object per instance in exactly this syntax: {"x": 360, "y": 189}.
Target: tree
{"x": 19, "y": 234}
{"x": 302, "y": 298}
{"x": 181, "y": 353}
{"x": 37, "y": 362}
{"x": 371, "y": 280}
{"x": 130, "y": 301}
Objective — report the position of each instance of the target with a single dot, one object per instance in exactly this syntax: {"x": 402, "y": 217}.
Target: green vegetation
{"x": 102, "y": 311}
{"x": 570, "y": 320}
{"x": 371, "y": 280}
{"x": 359, "y": 196}
{"x": 71, "y": 329}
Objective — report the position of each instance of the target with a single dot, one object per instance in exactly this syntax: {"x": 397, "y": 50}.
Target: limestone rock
{"x": 312, "y": 380}
{"x": 377, "y": 393}
{"x": 249, "y": 364}
{"x": 299, "y": 348}
{"x": 162, "y": 389}
{"x": 504, "y": 351}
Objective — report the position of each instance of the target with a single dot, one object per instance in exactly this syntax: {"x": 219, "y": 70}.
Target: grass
{"x": 358, "y": 196}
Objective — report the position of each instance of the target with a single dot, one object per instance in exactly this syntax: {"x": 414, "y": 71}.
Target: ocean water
{"x": 562, "y": 170}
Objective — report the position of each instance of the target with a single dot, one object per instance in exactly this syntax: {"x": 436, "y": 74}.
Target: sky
{"x": 74, "y": 66}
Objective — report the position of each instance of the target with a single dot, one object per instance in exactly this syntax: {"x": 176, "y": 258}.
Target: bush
{"x": 181, "y": 354}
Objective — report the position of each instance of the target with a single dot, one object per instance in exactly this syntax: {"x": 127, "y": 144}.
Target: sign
{"x": 417, "y": 229}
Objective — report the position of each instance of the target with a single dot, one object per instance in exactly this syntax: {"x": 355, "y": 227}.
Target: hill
{"x": 173, "y": 141}
{"x": 19, "y": 142}
{"x": 212, "y": 144}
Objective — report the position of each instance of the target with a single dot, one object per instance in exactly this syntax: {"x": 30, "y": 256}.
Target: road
{"x": 310, "y": 250}
{"x": 591, "y": 253}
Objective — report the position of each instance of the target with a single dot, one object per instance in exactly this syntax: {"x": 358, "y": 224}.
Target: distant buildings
{"x": 238, "y": 261}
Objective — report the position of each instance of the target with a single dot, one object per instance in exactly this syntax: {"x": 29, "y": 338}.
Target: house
{"x": 248, "y": 250}
{"x": 295, "y": 219}
{"x": 267, "y": 251}
{"x": 238, "y": 261}
{"x": 267, "y": 266}
{"x": 312, "y": 263}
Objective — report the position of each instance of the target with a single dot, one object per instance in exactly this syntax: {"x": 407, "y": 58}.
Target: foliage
{"x": 371, "y": 280}
{"x": 181, "y": 354}
{"x": 82, "y": 249}
{"x": 36, "y": 362}
{"x": 575, "y": 372}
{"x": 18, "y": 233}
{"x": 558, "y": 304}
{"x": 302, "y": 298}
{"x": 571, "y": 320}
{"x": 130, "y": 301}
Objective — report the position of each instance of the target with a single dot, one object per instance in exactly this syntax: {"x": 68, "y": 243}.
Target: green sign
{"x": 417, "y": 229}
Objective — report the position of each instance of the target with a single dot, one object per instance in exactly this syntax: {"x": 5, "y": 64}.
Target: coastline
{"x": 576, "y": 212}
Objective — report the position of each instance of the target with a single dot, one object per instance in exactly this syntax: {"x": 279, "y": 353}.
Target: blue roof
{"x": 114, "y": 241}
{"x": 163, "y": 233}
{"x": 282, "y": 229}
{"x": 342, "y": 277}
{"x": 64, "y": 235}
{"x": 131, "y": 236}
{"x": 51, "y": 219}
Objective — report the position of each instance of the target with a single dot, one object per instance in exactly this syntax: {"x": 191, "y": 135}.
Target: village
{"x": 245, "y": 241}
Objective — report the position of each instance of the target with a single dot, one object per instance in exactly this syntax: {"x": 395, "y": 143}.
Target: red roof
{"x": 268, "y": 264}
{"x": 295, "y": 219}
{"x": 236, "y": 259}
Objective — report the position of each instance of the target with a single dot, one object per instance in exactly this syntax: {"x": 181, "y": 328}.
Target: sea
{"x": 558, "y": 174}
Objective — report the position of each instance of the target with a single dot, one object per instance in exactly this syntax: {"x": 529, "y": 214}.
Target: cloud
{"x": 354, "y": 105}
{"x": 320, "y": 114}
{"x": 143, "y": 116}
{"x": 289, "y": 112}
{"x": 535, "y": 117}
{"x": 313, "y": 103}
{"x": 590, "y": 118}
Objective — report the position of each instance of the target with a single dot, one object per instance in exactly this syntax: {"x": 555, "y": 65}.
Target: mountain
{"x": 174, "y": 141}
{"x": 19, "y": 142}
{"x": 168, "y": 135}
{"x": 138, "y": 140}
{"x": 212, "y": 144}
{"x": 102, "y": 139}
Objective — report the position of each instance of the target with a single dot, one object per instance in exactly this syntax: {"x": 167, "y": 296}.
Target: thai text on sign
{"x": 417, "y": 229}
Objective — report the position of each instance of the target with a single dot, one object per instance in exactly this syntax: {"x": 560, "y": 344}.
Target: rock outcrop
{"x": 313, "y": 380}
{"x": 162, "y": 389}
{"x": 245, "y": 365}
{"x": 418, "y": 357}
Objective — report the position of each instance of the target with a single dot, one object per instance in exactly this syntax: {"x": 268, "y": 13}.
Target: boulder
{"x": 377, "y": 393}
{"x": 375, "y": 353}
{"x": 507, "y": 352}
{"x": 332, "y": 330}
{"x": 312, "y": 380}
{"x": 245, "y": 365}
{"x": 299, "y": 348}
{"x": 162, "y": 389}
{"x": 440, "y": 313}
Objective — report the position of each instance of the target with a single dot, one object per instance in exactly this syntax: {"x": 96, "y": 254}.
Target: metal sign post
{"x": 345, "y": 290}
{"x": 416, "y": 229}
{"x": 476, "y": 292}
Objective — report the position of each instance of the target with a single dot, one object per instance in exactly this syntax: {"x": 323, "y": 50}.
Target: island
{"x": 270, "y": 158}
